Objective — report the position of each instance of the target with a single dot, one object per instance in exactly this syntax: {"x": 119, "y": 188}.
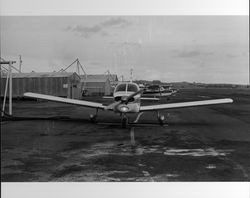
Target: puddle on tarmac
{"x": 197, "y": 152}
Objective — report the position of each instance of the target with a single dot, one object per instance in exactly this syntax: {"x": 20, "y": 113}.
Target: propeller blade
{"x": 113, "y": 105}
{"x": 132, "y": 95}
{"x": 124, "y": 100}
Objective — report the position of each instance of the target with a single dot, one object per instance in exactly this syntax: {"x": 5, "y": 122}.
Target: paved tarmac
{"x": 209, "y": 143}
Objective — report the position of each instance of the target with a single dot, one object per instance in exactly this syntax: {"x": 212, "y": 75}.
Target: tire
{"x": 124, "y": 122}
{"x": 93, "y": 119}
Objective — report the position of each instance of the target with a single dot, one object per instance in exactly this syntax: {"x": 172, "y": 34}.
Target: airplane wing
{"x": 65, "y": 100}
{"x": 185, "y": 104}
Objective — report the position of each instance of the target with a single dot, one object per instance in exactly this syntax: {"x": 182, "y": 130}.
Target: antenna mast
{"x": 131, "y": 75}
{"x": 20, "y": 63}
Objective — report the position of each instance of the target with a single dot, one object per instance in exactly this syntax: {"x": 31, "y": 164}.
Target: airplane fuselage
{"x": 121, "y": 93}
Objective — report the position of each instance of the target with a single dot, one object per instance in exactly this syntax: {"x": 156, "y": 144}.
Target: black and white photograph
{"x": 125, "y": 98}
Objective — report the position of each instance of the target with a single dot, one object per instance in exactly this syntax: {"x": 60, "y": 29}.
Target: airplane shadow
{"x": 108, "y": 123}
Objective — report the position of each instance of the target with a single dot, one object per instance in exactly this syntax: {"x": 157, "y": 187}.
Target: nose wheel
{"x": 124, "y": 121}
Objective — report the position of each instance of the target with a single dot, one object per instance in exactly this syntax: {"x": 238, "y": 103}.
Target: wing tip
{"x": 229, "y": 100}
{"x": 30, "y": 94}
{"x": 27, "y": 93}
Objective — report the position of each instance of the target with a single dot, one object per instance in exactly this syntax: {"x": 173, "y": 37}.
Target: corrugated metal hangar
{"x": 62, "y": 84}
{"x": 97, "y": 85}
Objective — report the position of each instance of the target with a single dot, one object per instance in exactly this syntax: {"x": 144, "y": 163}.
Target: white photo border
{"x": 131, "y": 189}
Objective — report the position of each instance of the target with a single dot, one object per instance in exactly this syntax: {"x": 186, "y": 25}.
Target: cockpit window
{"x": 132, "y": 88}
{"x": 121, "y": 87}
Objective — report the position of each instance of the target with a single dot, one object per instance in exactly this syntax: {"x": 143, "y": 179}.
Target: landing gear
{"x": 124, "y": 121}
{"x": 161, "y": 118}
{"x": 138, "y": 117}
{"x": 92, "y": 117}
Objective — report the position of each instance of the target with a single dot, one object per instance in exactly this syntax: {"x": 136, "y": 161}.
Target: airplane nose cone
{"x": 124, "y": 98}
{"x": 123, "y": 108}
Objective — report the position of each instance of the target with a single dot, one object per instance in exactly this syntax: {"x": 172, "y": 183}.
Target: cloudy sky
{"x": 210, "y": 49}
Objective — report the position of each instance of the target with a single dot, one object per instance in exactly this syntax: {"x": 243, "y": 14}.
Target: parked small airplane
{"x": 127, "y": 99}
{"x": 158, "y": 91}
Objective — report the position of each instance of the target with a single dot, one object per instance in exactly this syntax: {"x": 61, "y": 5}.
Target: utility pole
{"x": 131, "y": 75}
{"x": 10, "y": 88}
{"x": 77, "y": 67}
{"x": 20, "y": 63}
{"x": 8, "y": 81}
{"x": 5, "y": 93}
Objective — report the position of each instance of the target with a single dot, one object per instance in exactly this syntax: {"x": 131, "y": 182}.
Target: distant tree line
{"x": 191, "y": 85}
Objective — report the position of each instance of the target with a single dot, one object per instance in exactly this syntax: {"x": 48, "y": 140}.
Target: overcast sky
{"x": 210, "y": 49}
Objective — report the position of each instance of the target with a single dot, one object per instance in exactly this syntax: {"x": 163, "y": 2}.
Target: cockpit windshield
{"x": 127, "y": 87}
{"x": 121, "y": 87}
{"x": 132, "y": 88}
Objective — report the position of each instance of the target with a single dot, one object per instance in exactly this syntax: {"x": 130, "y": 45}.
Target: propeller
{"x": 124, "y": 100}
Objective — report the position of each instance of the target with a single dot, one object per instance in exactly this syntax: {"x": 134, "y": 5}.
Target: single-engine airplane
{"x": 158, "y": 91}
{"x": 127, "y": 99}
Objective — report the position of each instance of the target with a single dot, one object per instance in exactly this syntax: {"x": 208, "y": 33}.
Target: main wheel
{"x": 93, "y": 118}
{"x": 161, "y": 119}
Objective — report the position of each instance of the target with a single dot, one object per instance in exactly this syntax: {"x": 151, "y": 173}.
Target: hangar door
{"x": 75, "y": 91}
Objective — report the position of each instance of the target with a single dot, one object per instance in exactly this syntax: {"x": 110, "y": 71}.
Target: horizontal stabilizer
{"x": 152, "y": 99}
{"x": 108, "y": 97}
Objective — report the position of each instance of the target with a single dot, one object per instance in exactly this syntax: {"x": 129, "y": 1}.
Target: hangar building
{"x": 62, "y": 84}
{"x": 98, "y": 85}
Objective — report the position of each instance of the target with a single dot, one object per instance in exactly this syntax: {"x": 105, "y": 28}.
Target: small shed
{"x": 97, "y": 85}
{"x": 61, "y": 84}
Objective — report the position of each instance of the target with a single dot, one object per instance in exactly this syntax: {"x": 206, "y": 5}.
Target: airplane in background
{"x": 158, "y": 91}
{"x": 127, "y": 99}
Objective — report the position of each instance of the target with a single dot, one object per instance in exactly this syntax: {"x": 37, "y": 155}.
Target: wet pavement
{"x": 196, "y": 144}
